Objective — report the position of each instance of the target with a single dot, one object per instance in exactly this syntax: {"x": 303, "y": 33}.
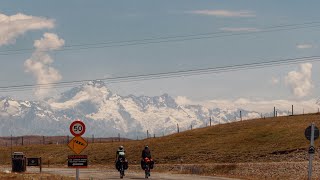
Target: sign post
{"x": 311, "y": 133}
{"x": 77, "y": 145}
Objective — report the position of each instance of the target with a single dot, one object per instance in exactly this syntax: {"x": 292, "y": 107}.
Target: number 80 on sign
{"x": 77, "y": 128}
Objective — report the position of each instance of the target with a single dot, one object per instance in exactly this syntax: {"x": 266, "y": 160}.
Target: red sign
{"x": 77, "y": 128}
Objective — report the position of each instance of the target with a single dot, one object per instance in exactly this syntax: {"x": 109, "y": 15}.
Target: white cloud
{"x": 182, "y": 100}
{"x": 275, "y": 80}
{"x": 13, "y": 26}
{"x": 240, "y": 29}
{"x": 304, "y": 46}
{"x": 264, "y": 106}
{"x": 300, "y": 82}
{"x": 40, "y": 63}
{"x": 224, "y": 13}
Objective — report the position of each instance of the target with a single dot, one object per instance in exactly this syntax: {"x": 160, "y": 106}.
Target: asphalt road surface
{"x": 96, "y": 173}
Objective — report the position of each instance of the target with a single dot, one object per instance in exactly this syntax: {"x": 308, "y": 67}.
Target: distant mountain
{"x": 107, "y": 114}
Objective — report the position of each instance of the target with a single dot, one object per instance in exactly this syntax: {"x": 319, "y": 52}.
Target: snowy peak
{"x": 163, "y": 101}
{"x": 107, "y": 114}
{"x": 96, "y": 83}
{"x": 91, "y": 92}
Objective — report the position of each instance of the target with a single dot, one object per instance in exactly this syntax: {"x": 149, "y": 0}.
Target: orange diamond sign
{"x": 77, "y": 144}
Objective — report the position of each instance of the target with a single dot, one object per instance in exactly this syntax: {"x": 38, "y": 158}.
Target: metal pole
{"x": 77, "y": 174}
{"x": 310, "y": 154}
{"x": 292, "y": 110}
{"x": 11, "y": 145}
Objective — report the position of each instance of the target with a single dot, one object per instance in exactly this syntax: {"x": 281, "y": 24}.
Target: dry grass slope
{"x": 259, "y": 140}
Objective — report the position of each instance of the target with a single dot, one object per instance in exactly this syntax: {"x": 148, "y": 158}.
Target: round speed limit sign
{"x": 77, "y": 128}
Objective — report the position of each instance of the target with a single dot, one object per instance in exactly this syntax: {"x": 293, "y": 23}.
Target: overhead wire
{"x": 167, "y": 39}
{"x": 164, "y": 75}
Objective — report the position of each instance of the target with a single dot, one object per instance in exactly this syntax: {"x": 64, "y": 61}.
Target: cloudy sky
{"x": 50, "y": 42}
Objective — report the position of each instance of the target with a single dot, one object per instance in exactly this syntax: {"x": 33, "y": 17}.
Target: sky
{"x": 56, "y": 41}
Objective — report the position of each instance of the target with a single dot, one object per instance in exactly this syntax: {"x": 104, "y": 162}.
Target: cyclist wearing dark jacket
{"x": 146, "y": 153}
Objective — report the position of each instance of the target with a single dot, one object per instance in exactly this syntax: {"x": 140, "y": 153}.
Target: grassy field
{"x": 260, "y": 140}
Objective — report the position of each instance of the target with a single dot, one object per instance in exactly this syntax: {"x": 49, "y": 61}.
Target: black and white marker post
{"x": 311, "y": 133}
{"x": 310, "y": 153}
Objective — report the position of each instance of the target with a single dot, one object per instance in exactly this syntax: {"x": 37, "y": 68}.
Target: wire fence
{"x": 12, "y": 140}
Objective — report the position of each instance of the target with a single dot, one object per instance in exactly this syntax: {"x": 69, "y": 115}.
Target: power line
{"x": 167, "y": 39}
{"x": 163, "y": 75}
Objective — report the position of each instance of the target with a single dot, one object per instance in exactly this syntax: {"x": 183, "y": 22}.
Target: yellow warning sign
{"x": 77, "y": 144}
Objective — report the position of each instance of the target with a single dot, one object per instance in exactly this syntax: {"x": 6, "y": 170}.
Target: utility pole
{"x": 292, "y": 110}
{"x": 274, "y": 111}
{"x": 240, "y": 116}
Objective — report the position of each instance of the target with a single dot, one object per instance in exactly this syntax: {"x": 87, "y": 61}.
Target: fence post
{"x": 178, "y": 128}
{"x": 11, "y": 145}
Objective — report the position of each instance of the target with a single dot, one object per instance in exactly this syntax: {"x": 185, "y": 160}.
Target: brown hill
{"x": 258, "y": 140}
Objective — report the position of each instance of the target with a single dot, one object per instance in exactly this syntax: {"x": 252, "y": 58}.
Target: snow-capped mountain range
{"x": 106, "y": 114}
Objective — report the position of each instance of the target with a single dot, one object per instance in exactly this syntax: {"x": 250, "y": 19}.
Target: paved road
{"x": 91, "y": 173}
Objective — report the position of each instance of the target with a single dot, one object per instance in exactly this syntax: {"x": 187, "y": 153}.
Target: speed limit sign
{"x": 77, "y": 128}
